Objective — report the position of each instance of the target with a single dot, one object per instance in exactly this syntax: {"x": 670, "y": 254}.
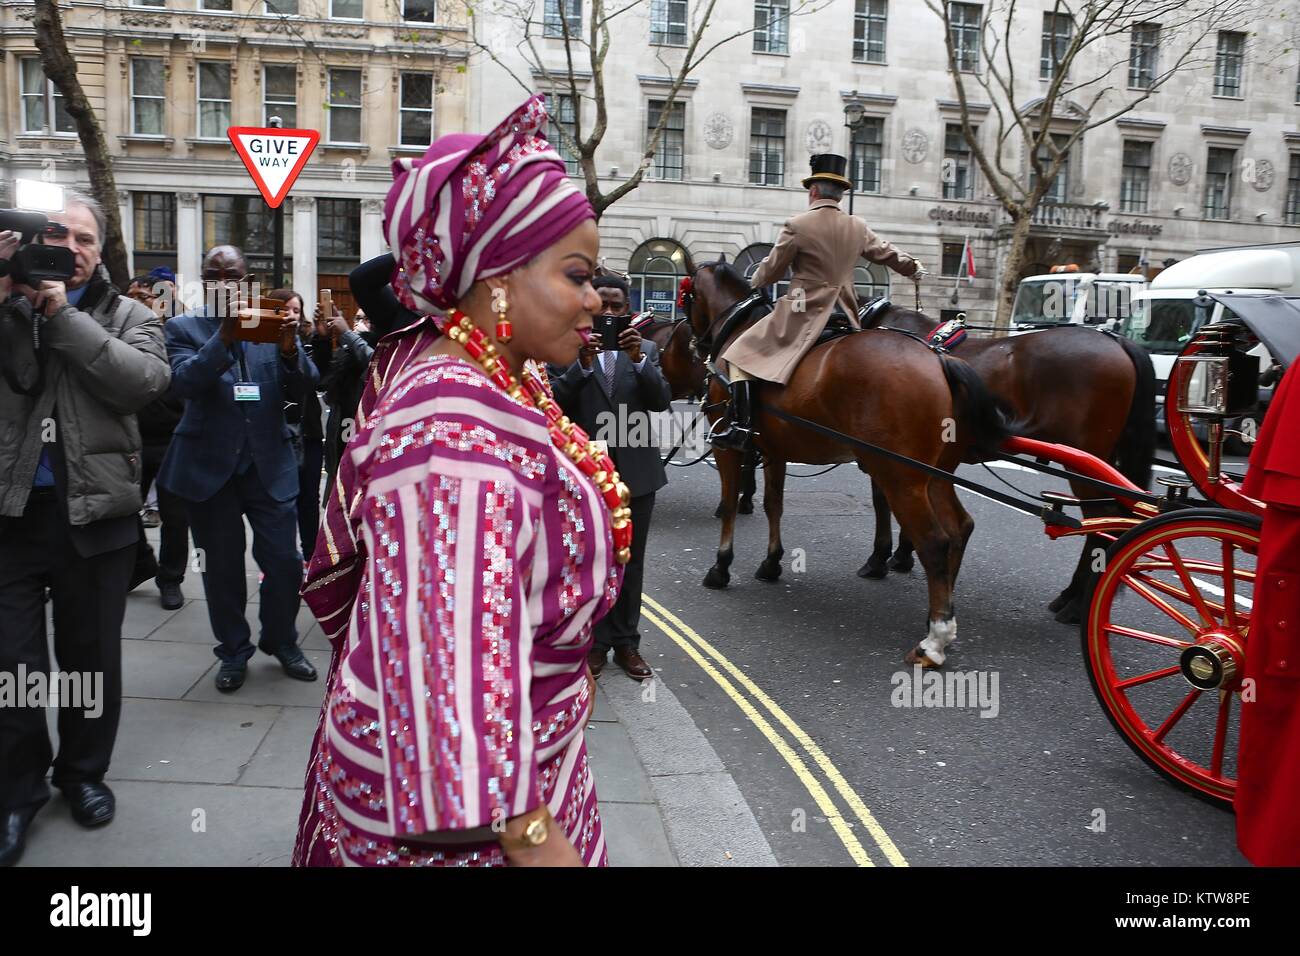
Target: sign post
{"x": 274, "y": 157}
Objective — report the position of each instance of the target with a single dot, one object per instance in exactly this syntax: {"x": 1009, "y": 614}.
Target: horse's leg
{"x": 1070, "y": 605}
{"x": 773, "y": 505}
{"x": 749, "y": 483}
{"x": 729, "y": 473}
{"x": 957, "y": 521}
{"x": 934, "y": 544}
{"x": 902, "y": 559}
{"x": 884, "y": 541}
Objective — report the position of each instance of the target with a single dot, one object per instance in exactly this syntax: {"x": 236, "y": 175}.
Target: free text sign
{"x": 274, "y": 157}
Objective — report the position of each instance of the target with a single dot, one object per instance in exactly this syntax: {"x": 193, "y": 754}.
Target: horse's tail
{"x": 1135, "y": 451}
{"x": 989, "y": 420}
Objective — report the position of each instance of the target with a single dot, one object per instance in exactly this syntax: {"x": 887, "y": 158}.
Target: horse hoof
{"x": 1060, "y": 601}
{"x": 901, "y": 565}
{"x": 717, "y": 580}
{"x": 1071, "y": 613}
{"x": 768, "y": 571}
{"x": 874, "y": 569}
{"x": 917, "y": 656}
{"x": 746, "y": 506}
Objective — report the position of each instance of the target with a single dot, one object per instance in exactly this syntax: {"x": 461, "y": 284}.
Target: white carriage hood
{"x": 1275, "y": 268}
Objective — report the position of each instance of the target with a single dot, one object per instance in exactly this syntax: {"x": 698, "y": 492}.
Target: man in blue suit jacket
{"x": 231, "y": 457}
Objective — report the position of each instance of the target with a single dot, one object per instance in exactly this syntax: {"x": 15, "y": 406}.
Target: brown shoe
{"x": 596, "y": 661}
{"x": 632, "y": 664}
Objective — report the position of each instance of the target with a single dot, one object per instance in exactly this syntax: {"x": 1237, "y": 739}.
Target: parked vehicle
{"x": 1073, "y": 298}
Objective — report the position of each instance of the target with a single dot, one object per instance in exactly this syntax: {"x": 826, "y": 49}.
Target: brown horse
{"x": 682, "y": 368}
{"x": 1070, "y": 385}
{"x": 929, "y": 407}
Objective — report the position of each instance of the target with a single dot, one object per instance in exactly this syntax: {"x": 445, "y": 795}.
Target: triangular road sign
{"x": 274, "y": 157}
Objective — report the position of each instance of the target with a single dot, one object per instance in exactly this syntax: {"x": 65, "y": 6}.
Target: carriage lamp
{"x": 1204, "y": 386}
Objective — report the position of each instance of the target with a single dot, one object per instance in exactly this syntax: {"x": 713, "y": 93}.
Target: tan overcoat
{"x": 823, "y": 245}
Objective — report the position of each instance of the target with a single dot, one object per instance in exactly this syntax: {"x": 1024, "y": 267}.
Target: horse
{"x": 906, "y": 397}
{"x": 1071, "y": 385}
{"x": 682, "y": 368}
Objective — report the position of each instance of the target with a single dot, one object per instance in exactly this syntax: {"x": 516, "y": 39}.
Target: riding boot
{"x": 738, "y": 434}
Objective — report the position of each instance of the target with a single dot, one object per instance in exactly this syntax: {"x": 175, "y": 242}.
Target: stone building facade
{"x": 377, "y": 78}
{"x": 1211, "y": 159}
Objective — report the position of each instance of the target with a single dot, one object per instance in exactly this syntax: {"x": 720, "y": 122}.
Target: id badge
{"x": 248, "y": 392}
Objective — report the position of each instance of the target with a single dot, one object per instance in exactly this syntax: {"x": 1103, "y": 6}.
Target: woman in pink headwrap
{"x": 480, "y": 529}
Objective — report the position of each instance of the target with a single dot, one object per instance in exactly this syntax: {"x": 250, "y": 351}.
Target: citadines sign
{"x": 1125, "y": 227}
{"x": 979, "y": 218}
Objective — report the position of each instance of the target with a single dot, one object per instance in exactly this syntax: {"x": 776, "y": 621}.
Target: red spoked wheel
{"x": 1165, "y": 642}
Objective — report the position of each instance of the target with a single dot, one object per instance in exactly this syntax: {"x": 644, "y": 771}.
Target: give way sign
{"x": 274, "y": 157}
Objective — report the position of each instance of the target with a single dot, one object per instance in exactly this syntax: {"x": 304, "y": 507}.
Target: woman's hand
{"x": 555, "y": 850}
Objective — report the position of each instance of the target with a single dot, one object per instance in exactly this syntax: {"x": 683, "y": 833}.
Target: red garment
{"x": 1268, "y": 766}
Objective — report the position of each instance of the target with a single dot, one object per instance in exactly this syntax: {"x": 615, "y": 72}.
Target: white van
{"x": 1073, "y": 298}
{"x": 1163, "y": 318}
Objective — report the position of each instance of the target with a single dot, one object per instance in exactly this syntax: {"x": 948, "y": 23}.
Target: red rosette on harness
{"x": 683, "y": 290}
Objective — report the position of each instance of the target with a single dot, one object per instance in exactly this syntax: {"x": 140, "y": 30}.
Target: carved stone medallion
{"x": 820, "y": 136}
{"x": 915, "y": 146}
{"x": 718, "y": 130}
{"x": 1180, "y": 169}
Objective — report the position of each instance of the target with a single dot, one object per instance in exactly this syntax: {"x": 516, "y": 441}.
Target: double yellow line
{"x": 697, "y": 648}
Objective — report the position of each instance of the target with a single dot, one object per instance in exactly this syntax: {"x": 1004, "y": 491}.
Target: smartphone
{"x": 610, "y": 327}
{"x": 261, "y": 324}
{"x": 326, "y": 299}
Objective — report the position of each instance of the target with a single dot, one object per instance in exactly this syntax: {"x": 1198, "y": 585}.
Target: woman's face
{"x": 550, "y": 300}
{"x": 293, "y": 309}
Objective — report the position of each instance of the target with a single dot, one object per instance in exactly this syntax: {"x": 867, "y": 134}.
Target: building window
{"x": 567, "y": 116}
{"x": 865, "y": 143}
{"x": 214, "y": 100}
{"x": 1228, "y": 62}
{"x": 668, "y": 22}
{"x": 246, "y": 223}
{"x": 1142, "y": 51}
{"x": 869, "y": 31}
{"x": 1292, "y": 213}
{"x": 958, "y": 171}
{"x": 1058, "y": 28}
{"x": 771, "y": 26}
{"x": 670, "y": 156}
{"x": 148, "y": 3}
{"x": 347, "y": 9}
{"x": 952, "y": 256}
{"x": 41, "y": 100}
{"x": 1060, "y": 188}
{"x": 748, "y": 261}
{"x": 767, "y": 147}
{"x": 284, "y": 8}
{"x": 1135, "y": 180}
{"x": 338, "y": 230}
{"x": 870, "y": 281}
{"x": 654, "y": 272}
{"x": 345, "y": 106}
{"x": 225, "y": 5}
{"x": 419, "y": 11}
{"x": 964, "y": 21}
{"x": 148, "y": 94}
{"x": 280, "y": 95}
{"x": 1218, "y": 183}
{"x": 417, "y": 109}
{"x": 554, "y": 25}
{"x": 155, "y": 221}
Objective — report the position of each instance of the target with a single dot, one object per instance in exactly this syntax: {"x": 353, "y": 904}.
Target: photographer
{"x": 625, "y": 383}
{"x": 231, "y": 458}
{"x": 343, "y": 381}
{"x": 78, "y": 360}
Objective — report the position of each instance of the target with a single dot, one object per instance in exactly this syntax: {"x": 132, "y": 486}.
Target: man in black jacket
{"x": 622, "y": 388}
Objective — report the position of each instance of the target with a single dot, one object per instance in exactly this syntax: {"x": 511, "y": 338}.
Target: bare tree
{"x": 61, "y": 68}
{"x": 591, "y": 51}
{"x": 1096, "y": 73}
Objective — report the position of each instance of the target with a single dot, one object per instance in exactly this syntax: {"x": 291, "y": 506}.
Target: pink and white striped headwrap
{"x": 478, "y": 206}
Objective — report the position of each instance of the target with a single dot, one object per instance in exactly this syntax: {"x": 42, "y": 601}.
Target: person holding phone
{"x": 231, "y": 458}
{"x": 617, "y": 378}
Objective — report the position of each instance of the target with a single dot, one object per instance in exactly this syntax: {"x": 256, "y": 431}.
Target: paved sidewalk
{"x": 205, "y": 778}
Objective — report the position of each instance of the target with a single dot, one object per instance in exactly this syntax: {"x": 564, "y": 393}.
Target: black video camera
{"x": 34, "y": 262}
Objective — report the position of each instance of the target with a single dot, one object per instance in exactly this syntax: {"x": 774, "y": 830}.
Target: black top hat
{"x": 828, "y": 167}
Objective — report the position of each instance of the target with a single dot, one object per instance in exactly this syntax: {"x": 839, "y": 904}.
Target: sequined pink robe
{"x": 457, "y": 693}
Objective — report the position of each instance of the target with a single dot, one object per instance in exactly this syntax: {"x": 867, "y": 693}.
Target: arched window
{"x": 870, "y": 281}
{"x": 654, "y": 272}
{"x": 749, "y": 259}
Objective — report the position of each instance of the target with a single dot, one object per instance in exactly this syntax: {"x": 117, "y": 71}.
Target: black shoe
{"x": 92, "y": 804}
{"x": 230, "y": 676}
{"x": 737, "y": 435}
{"x": 170, "y": 596}
{"x": 293, "y": 661}
{"x": 13, "y": 833}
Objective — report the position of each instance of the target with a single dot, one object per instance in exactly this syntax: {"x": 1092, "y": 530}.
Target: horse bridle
{"x": 715, "y": 336}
